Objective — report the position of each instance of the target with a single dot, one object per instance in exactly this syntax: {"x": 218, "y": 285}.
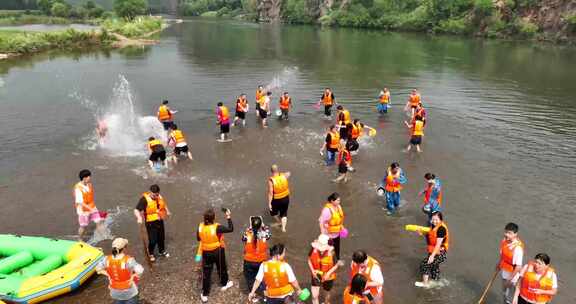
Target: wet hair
{"x": 209, "y": 217}
{"x": 332, "y": 127}
{"x": 277, "y": 249}
{"x": 429, "y": 176}
{"x": 84, "y": 173}
{"x": 243, "y": 94}
{"x": 395, "y": 165}
{"x": 439, "y": 214}
{"x": 339, "y": 107}
{"x": 220, "y": 104}
{"x": 286, "y": 93}
{"x": 116, "y": 251}
{"x": 356, "y": 120}
{"x": 268, "y": 93}
{"x": 334, "y": 196}
{"x": 511, "y": 227}
{"x": 358, "y": 284}
{"x": 174, "y": 127}
{"x": 327, "y": 89}
{"x": 543, "y": 257}
{"x": 260, "y": 86}
{"x": 151, "y": 138}
{"x": 165, "y": 102}
{"x": 359, "y": 256}
{"x": 255, "y": 225}
{"x": 418, "y": 117}
{"x": 155, "y": 189}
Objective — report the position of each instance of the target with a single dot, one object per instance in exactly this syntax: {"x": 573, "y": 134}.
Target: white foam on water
{"x": 281, "y": 81}
{"x": 109, "y": 222}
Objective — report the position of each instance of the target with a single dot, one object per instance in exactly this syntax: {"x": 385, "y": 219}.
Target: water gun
{"x": 198, "y": 257}
{"x": 416, "y": 228}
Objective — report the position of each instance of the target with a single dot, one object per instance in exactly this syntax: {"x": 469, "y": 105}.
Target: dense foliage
{"x": 30, "y": 42}
{"x": 135, "y": 28}
{"x": 130, "y": 8}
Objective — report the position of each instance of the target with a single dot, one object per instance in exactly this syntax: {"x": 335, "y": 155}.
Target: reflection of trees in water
{"x": 133, "y": 52}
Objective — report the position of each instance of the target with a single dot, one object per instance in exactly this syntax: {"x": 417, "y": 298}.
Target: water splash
{"x": 281, "y": 81}
{"x": 109, "y": 222}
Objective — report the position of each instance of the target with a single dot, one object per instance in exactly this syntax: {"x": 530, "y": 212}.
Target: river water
{"x": 501, "y": 135}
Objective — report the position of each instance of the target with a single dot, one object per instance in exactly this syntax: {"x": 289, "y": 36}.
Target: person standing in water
{"x": 331, "y": 221}
{"x": 278, "y": 277}
{"x": 122, "y": 271}
{"x": 211, "y": 237}
{"x": 165, "y": 115}
{"x": 383, "y": 101}
{"x": 416, "y": 132}
{"x": 343, "y": 121}
{"x": 241, "y": 110}
{"x": 432, "y": 195}
{"x": 356, "y": 130}
{"x": 323, "y": 264}
{"x": 331, "y": 144}
{"x": 223, "y": 119}
{"x": 157, "y": 152}
{"x": 538, "y": 282}
{"x": 85, "y": 205}
{"x": 151, "y": 212}
{"x": 328, "y": 100}
{"x": 255, "y": 240}
{"x": 368, "y": 267}
{"x": 265, "y": 108}
{"x": 344, "y": 162}
{"x": 510, "y": 263}
{"x": 259, "y": 94}
{"x": 177, "y": 139}
{"x": 392, "y": 185}
{"x": 438, "y": 240}
{"x": 413, "y": 100}
{"x": 285, "y": 104}
{"x": 279, "y": 195}
{"x": 101, "y": 130}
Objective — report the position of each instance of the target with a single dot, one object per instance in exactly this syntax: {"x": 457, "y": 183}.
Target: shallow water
{"x": 501, "y": 136}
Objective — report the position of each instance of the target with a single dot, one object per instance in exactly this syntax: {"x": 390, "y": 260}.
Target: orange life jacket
{"x": 530, "y": 282}
{"x": 241, "y": 105}
{"x": 223, "y": 115}
{"x": 428, "y": 192}
{"x": 385, "y": 98}
{"x": 255, "y": 254}
{"x": 354, "y": 299}
{"x": 392, "y": 184}
{"x": 210, "y": 240}
{"x": 418, "y": 128}
{"x": 432, "y": 238}
{"x": 366, "y": 273}
{"x": 327, "y": 99}
{"x": 356, "y": 131}
{"x": 285, "y": 102}
{"x": 259, "y": 95}
{"x": 335, "y": 224}
{"x": 507, "y": 254}
{"x": 153, "y": 143}
{"x": 164, "y": 113}
{"x": 155, "y": 208}
{"x": 323, "y": 262}
{"x": 414, "y": 99}
{"x": 344, "y": 156}
{"x": 344, "y": 119}
{"x": 120, "y": 277}
{"x": 87, "y": 195}
{"x": 334, "y": 140}
{"x": 280, "y": 186}
{"x": 276, "y": 279}
{"x": 178, "y": 136}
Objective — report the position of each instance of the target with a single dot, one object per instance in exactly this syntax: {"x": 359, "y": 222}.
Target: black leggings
{"x": 209, "y": 259}
{"x": 155, "y": 231}
{"x": 336, "y": 244}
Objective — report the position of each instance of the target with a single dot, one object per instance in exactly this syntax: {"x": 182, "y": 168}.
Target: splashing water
{"x": 111, "y": 219}
{"x": 280, "y": 82}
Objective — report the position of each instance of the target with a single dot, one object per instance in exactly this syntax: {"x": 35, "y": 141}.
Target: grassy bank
{"x": 22, "y": 19}
{"x": 139, "y": 27}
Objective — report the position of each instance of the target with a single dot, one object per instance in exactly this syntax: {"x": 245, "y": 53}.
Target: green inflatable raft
{"x": 34, "y": 269}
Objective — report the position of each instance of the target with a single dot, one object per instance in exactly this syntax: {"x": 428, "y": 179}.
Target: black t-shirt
{"x": 142, "y": 203}
{"x": 221, "y": 229}
{"x": 441, "y": 233}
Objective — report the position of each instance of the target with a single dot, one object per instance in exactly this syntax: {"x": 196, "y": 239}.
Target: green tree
{"x": 60, "y": 10}
{"x": 45, "y": 6}
{"x": 130, "y": 8}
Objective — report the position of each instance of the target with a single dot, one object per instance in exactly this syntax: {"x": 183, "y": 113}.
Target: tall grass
{"x": 135, "y": 28}
{"x": 31, "y": 42}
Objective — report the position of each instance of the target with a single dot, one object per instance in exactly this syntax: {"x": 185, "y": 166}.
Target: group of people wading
{"x": 268, "y": 274}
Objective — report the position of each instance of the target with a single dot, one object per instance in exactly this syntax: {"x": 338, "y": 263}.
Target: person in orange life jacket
{"x": 165, "y": 115}
{"x": 354, "y": 133}
{"x": 331, "y": 221}
{"x": 413, "y": 100}
{"x": 419, "y": 111}
{"x": 331, "y": 144}
{"x": 416, "y": 132}
{"x": 278, "y": 276}
{"x": 123, "y": 273}
{"x": 369, "y": 268}
{"x": 343, "y": 121}
{"x": 392, "y": 185}
{"x": 255, "y": 240}
{"x": 241, "y": 109}
{"x": 223, "y": 119}
{"x": 265, "y": 108}
{"x": 537, "y": 282}
{"x": 157, "y": 152}
{"x": 85, "y": 205}
{"x": 279, "y": 196}
{"x": 151, "y": 211}
{"x": 328, "y": 100}
{"x": 438, "y": 240}
{"x": 344, "y": 162}
{"x": 211, "y": 238}
{"x": 432, "y": 195}
{"x": 354, "y": 294}
{"x": 323, "y": 264}
{"x": 177, "y": 139}
{"x": 259, "y": 94}
{"x": 285, "y": 104}
{"x": 383, "y": 101}
{"x": 510, "y": 263}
